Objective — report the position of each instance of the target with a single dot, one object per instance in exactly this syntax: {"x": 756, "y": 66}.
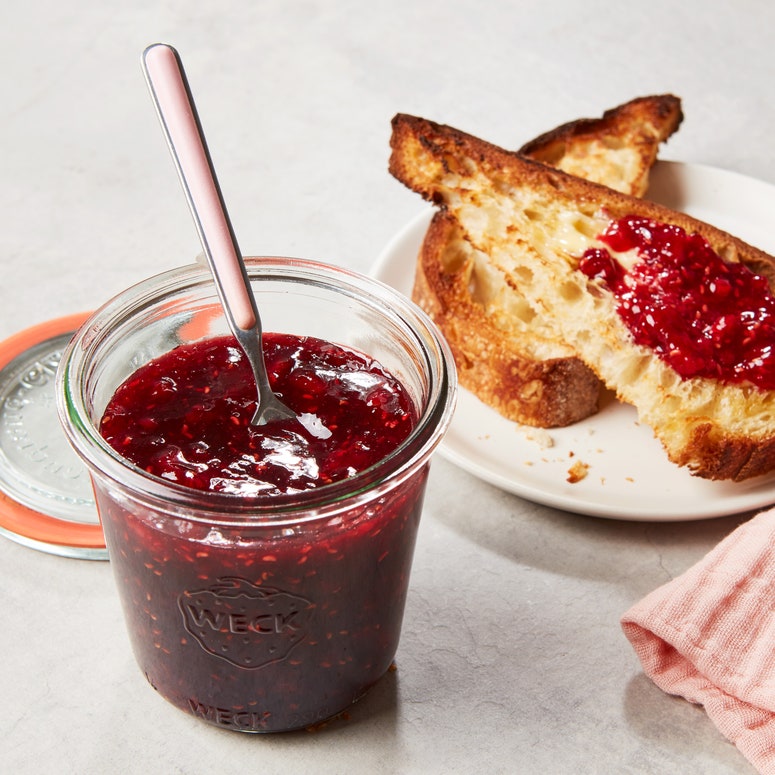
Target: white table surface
{"x": 511, "y": 659}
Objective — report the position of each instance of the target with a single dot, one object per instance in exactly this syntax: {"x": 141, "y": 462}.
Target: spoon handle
{"x": 177, "y": 113}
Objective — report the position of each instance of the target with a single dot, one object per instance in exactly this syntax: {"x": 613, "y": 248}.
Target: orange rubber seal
{"x": 16, "y": 517}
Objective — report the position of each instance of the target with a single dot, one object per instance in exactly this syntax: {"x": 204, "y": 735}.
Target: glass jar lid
{"x": 46, "y": 499}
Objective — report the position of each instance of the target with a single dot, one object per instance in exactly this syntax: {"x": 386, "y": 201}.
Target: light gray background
{"x": 512, "y": 659}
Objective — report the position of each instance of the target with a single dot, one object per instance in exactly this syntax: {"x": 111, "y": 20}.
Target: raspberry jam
{"x": 186, "y": 417}
{"x": 264, "y": 627}
{"x": 705, "y": 317}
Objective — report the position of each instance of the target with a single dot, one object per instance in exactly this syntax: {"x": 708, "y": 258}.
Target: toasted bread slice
{"x": 718, "y": 429}
{"x": 617, "y": 150}
{"x": 505, "y": 354}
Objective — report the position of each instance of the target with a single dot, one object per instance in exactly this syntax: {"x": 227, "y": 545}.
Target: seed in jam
{"x": 703, "y": 316}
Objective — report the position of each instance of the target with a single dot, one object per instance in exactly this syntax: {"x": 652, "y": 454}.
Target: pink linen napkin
{"x": 709, "y": 636}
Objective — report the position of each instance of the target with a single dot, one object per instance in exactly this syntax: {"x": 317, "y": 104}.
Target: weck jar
{"x": 265, "y": 613}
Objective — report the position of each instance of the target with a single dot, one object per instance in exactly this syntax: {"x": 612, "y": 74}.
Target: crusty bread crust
{"x": 502, "y": 199}
{"x": 505, "y": 354}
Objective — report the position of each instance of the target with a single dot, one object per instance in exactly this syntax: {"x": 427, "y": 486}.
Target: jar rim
{"x": 225, "y": 508}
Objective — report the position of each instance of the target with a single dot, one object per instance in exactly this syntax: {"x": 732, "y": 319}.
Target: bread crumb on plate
{"x": 540, "y": 436}
{"x": 577, "y": 472}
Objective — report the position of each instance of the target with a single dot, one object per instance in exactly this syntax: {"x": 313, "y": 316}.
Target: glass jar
{"x": 263, "y": 614}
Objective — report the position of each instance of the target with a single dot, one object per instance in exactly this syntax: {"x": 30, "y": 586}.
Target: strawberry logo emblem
{"x": 250, "y": 626}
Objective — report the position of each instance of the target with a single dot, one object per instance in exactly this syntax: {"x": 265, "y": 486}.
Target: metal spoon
{"x": 180, "y": 122}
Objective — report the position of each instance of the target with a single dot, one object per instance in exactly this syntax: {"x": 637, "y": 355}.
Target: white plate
{"x": 629, "y": 475}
